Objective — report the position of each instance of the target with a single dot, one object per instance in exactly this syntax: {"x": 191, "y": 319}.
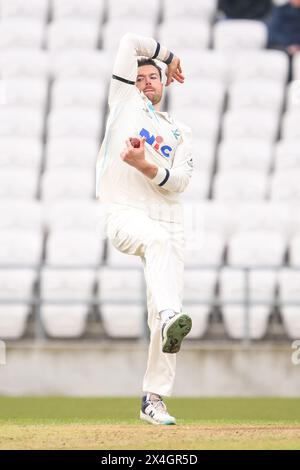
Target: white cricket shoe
{"x": 154, "y": 410}
{"x": 173, "y": 331}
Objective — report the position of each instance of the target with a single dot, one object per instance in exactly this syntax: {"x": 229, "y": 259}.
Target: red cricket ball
{"x": 135, "y": 142}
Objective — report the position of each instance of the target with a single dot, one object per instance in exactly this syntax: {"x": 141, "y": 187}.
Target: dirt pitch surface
{"x": 143, "y": 436}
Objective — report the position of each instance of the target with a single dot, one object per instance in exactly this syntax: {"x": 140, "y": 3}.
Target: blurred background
{"x": 72, "y": 309}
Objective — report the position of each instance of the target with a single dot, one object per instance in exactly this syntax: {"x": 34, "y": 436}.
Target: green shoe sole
{"x": 175, "y": 333}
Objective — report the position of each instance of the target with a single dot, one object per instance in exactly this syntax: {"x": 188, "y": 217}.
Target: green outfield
{"x": 112, "y": 423}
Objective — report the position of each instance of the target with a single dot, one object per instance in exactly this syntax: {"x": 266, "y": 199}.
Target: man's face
{"x": 148, "y": 81}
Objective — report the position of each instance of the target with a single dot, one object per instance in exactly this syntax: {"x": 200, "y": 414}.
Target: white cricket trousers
{"x": 161, "y": 248}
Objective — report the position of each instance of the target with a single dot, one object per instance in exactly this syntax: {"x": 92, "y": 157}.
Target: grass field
{"x": 112, "y": 423}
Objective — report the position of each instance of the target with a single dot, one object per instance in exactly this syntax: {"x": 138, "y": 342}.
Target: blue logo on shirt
{"x": 156, "y": 142}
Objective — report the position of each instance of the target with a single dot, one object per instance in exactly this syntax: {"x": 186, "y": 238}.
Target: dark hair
{"x": 142, "y": 62}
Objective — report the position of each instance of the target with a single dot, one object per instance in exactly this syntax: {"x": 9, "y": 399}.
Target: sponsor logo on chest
{"x": 157, "y": 142}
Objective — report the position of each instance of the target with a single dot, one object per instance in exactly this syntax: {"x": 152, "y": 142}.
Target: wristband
{"x": 169, "y": 59}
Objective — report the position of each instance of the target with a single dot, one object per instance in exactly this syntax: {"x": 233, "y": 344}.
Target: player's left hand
{"x": 134, "y": 156}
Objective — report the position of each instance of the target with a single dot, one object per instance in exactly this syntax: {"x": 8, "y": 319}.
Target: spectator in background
{"x": 245, "y": 9}
{"x": 284, "y": 27}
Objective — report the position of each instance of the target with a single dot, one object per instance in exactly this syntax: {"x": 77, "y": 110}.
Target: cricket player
{"x": 140, "y": 188}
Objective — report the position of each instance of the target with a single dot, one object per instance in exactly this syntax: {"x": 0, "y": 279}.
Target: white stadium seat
{"x": 199, "y": 286}
{"x": 293, "y": 95}
{"x": 184, "y": 34}
{"x": 20, "y": 247}
{"x": 21, "y": 121}
{"x": 79, "y": 214}
{"x": 233, "y": 289}
{"x": 114, "y": 30}
{"x": 208, "y": 216}
{"x": 24, "y": 63}
{"x": 198, "y": 187}
{"x": 189, "y": 9}
{"x": 256, "y": 93}
{"x": 203, "y": 155}
{"x": 72, "y": 33}
{"x": 205, "y": 64}
{"x": 18, "y": 183}
{"x": 245, "y": 154}
{"x": 290, "y": 124}
{"x": 38, "y": 9}
{"x": 67, "y": 183}
{"x": 20, "y": 153}
{"x": 126, "y": 318}
{"x": 64, "y": 321}
{"x": 92, "y": 9}
{"x": 240, "y": 34}
{"x": 287, "y": 155}
{"x": 203, "y": 93}
{"x": 258, "y": 64}
{"x": 205, "y": 250}
{"x": 13, "y": 320}
{"x": 289, "y": 291}
{"x": 74, "y": 121}
{"x": 285, "y": 185}
{"x": 78, "y": 92}
{"x": 21, "y": 214}
{"x": 244, "y": 185}
{"x": 134, "y": 10}
{"x": 251, "y": 123}
{"x": 205, "y": 123}
{"x": 25, "y": 92}
{"x": 73, "y": 153}
{"x": 73, "y": 248}
{"x": 19, "y": 32}
{"x": 81, "y": 63}
{"x": 256, "y": 248}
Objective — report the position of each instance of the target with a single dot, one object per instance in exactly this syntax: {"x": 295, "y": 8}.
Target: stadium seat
{"x": 22, "y": 63}
{"x": 72, "y": 34}
{"x": 205, "y": 250}
{"x": 290, "y": 125}
{"x": 208, "y": 216}
{"x": 90, "y": 9}
{"x": 21, "y": 214}
{"x": 73, "y": 248}
{"x": 198, "y": 187}
{"x": 13, "y": 320}
{"x": 78, "y": 92}
{"x": 177, "y": 34}
{"x": 285, "y": 185}
{"x": 75, "y": 122}
{"x": 205, "y": 124}
{"x": 296, "y": 66}
{"x": 20, "y": 247}
{"x": 18, "y": 183}
{"x": 287, "y": 155}
{"x": 21, "y": 121}
{"x": 25, "y": 92}
{"x": 81, "y": 64}
{"x": 114, "y": 29}
{"x": 38, "y": 9}
{"x": 203, "y": 155}
{"x": 293, "y": 95}
{"x": 245, "y": 154}
{"x": 233, "y": 289}
{"x": 256, "y": 93}
{"x": 258, "y": 64}
{"x": 189, "y": 9}
{"x": 206, "y": 64}
{"x": 243, "y": 185}
{"x": 67, "y": 183}
{"x": 125, "y": 318}
{"x": 289, "y": 292}
{"x": 64, "y": 321}
{"x": 259, "y": 248}
{"x": 240, "y": 34}
{"x": 74, "y": 153}
{"x": 251, "y": 123}
{"x": 131, "y": 9}
{"x": 203, "y": 93}
{"x": 20, "y": 153}
{"x": 19, "y": 32}
{"x": 199, "y": 287}
{"x": 79, "y": 214}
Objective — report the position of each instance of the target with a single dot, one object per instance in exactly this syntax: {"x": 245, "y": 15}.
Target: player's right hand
{"x": 174, "y": 72}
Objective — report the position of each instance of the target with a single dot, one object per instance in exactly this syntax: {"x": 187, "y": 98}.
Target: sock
{"x": 166, "y": 314}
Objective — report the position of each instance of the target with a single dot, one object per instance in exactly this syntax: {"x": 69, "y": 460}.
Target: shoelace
{"x": 159, "y": 406}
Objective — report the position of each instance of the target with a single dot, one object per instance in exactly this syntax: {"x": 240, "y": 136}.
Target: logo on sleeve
{"x": 156, "y": 142}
